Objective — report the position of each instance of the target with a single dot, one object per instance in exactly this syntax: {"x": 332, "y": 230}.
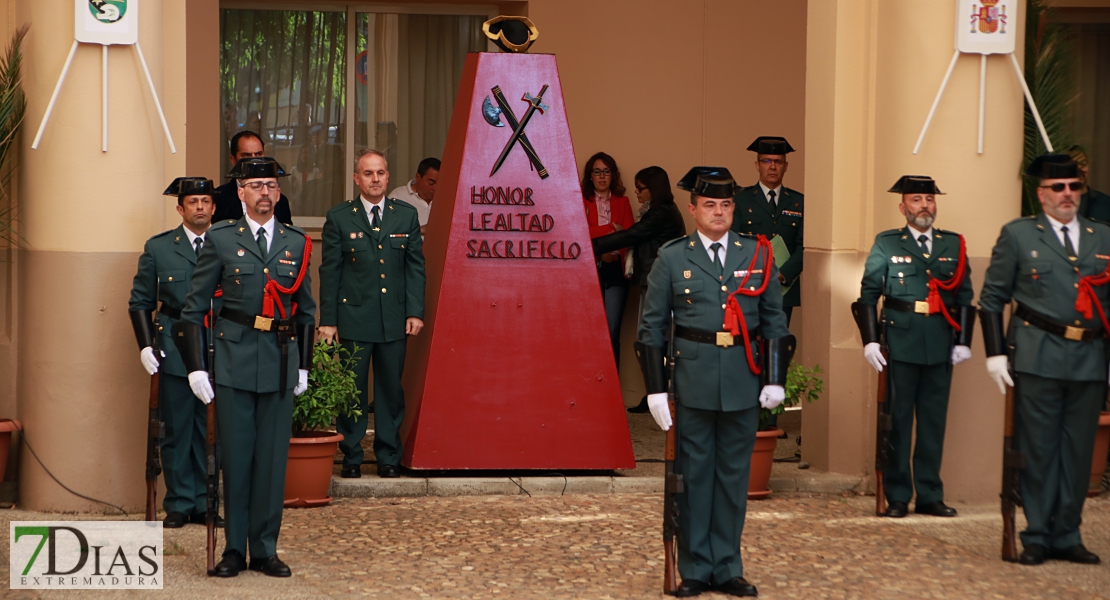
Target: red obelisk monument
{"x": 514, "y": 369}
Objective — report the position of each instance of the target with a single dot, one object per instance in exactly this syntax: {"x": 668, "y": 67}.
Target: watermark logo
{"x": 85, "y": 555}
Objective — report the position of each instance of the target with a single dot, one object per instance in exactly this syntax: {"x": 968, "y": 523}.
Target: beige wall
{"x": 872, "y": 75}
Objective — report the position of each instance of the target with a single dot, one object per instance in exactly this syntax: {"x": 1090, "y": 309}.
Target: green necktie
{"x": 262, "y": 241}
{"x": 716, "y": 248}
{"x": 1067, "y": 243}
{"x": 376, "y": 221}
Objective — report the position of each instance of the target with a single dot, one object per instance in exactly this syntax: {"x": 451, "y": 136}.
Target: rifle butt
{"x": 882, "y": 431}
{"x": 670, "y": 566}
{"x": 1009, "y": 536}
{"x": 880, "y": 495}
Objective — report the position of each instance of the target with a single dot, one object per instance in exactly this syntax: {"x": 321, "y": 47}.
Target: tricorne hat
{"x": 1053, "y": 166}
{"x": 915, "y": 184}
{"x": 769, "y": 144}
{"x": 709, "y": 182}
{"x": 190, "y": 186}
{"x": 511, "y": 34}
{"x": 256, "y": 167}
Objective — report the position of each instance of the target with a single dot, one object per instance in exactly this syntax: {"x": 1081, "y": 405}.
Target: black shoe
{"x": 350, "y": 472}
{"x": 897, "y": 510}
{"x": 230, "y": 566}
{"x": 175, "y": 520}
{"x": 1075, "y": 554}
{"x": 642, "y": 407}
{"x": 691, "y": 587}
{"x": 737, "y": 587}
{"x": 937, "y": 509}
{"x": 271, "y": 566}
{"x": 388, "y": 471}
{"x": 202, "y": 519}
{"x": 1033, "y": 554}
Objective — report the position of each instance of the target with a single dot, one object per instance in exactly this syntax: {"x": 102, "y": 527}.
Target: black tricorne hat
{"x": 256, "y": 167}
{"x": 190, "y": 186}
{"x": 769, "y": 144}
{"x": 915, "y": 184}
{"x": 709, "y": 182}
{"x": 511, "y": 34}
{"x": 1053, "y": 166}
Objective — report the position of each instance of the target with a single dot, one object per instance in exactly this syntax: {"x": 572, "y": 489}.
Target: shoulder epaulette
{"x": 222, "y": 224}
{"x": 294, "y": 228}
{"x": 675, "y": 242}
{"x": 746, "y": 235}
{"x": 891, "y": 232}
{"x": 163, "y": 234}
{"x": 791, "y": 191}
{"x": 400, "y": 202}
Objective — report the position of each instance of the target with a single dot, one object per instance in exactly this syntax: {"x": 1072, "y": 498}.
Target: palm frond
{"x": 13, "y": 107}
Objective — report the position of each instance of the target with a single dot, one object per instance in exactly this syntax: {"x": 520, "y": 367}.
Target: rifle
{"x": 672, "y": 486}
{"x": 211, "y": 513}
{"x": 156, "y": 429}
{"x": 1013, "y": 461}
{"x": 884, "y": 421}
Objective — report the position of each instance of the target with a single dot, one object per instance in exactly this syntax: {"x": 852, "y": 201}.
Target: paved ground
{"x": 607, "y": 546}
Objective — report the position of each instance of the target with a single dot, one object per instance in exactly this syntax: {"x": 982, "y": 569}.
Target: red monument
{"x": 514, "y": 369}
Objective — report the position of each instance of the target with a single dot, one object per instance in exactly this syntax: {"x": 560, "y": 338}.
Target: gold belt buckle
{"x": 921, "y": 307}
{"x": 263, "y": 323}
{"x": 1074, "y": 333}
{"x": 724, "y": 339}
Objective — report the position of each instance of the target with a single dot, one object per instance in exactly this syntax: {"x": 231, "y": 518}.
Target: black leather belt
{"x": 723, "y": 339}
{"x": 259, "y": 322}
{"x": 172, "y": 312}
{"x": 920, "y": 307}
{"x": 1077, "y": 334}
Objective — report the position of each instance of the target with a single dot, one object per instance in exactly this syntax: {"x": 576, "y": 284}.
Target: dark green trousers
{"x": 921, "y": 391}
{"x": 1055, "y": 426}
{"x": 254, "y": 434}
{"x": 183, "y": 453}
{"x": 389, "y": 403}
{"x": 715, "y": 453}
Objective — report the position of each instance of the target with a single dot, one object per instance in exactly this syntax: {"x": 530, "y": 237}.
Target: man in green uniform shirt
{"x": 372, "y": 295}
{"x": 263, "y": 349}
{"x": 1057, "y": 347}
{"x": 165, "y": 270}
{"x": 723, "y": 290}
{"x": 1093, "y": 204}
{"x": 771, "y": 209}
{"x": 926, "y": 335}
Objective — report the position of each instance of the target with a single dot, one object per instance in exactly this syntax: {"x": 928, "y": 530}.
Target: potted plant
{"x": 332, "y": 391}
{"x": 801, "y": 383}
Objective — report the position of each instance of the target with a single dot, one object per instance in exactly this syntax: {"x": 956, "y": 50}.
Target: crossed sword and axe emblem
{"x": 493, "y": 114}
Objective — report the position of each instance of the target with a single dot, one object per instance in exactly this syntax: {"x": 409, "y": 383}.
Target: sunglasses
{"x": 1074, "y": 186}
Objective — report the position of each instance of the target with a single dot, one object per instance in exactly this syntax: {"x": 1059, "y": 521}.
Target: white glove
{"x": 202, "y": 388}
{"x": 150, "y": 362}
{"x": 998, "y": 368}
{"x": 772, "y": 396}
{"x": 660, "y": 410}
{"x": 874, "y": 356}
{"x": 302, "y": 382}
{"x": 960, "y": 354}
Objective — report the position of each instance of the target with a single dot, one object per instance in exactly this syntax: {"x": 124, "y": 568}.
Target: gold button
{"x": 383, "y": 275}
{"x": 724, "y": 288}
{"x": 1076, "y": 284}
{"x": 928, "y": 272}
{"x": 678, "y": 352}
{"x": 1077, "y": 321}
{"x": 383, "y": 290}
{"x": 381, "y": 260}
{"x": 749, "y": 222}
{"x": 353, "y": 259}
{"x": 722, "y": 306}
{"x": 752, "y": 288}
{"x": 236, "y": 270}
{"x": 160, "y": 328}
{"x": 402, "y": 245}
{"x": 171, "y": 278}
{"x": 1034, "y": 271}
{"x": 900, "y": 274}
{"x": 221, "y": 334}
{"x": 379, "y": 246}
{"x": 687, "y": 290}
{"x": 344, "y": 299}
{"x": 267, "y": 270}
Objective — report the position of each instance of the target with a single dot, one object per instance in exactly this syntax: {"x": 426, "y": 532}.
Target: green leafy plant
{"x": 332, "y": 390}
{"x": 13, "y": 106}
{"x": 801, "y": 383}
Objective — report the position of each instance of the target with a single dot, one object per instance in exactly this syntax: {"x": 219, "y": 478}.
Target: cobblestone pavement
{"x": 608, "y": 546}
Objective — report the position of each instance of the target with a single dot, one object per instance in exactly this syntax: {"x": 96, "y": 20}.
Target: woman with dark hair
{"x": 660, "y": 222}
{"x": 608, "y": 211}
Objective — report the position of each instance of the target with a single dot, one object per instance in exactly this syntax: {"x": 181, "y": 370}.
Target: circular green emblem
{"x": 108, "y": 11}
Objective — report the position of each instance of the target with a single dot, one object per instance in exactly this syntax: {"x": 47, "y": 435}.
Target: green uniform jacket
{"x": 753, "y": 216}
{"x": 683, "y": 280}
{"x": 248, "y": 359}
{"x": 1095, "y": 205}
{"x": 371, "y": 281}
{"x": 1030, "y": 265}
{"x": 897, "y": 267}
{"x": 165, "y": 269}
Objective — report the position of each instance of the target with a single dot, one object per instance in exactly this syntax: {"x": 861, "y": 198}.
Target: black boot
{"x": 642, "y": 407}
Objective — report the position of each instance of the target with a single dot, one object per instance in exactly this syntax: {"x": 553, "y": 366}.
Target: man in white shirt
{"x": 420, "y": 191}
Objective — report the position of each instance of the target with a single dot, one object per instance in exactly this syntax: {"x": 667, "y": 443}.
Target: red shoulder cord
{"x": 936, "y": 305}
{"x": 272, "y": 288}
{"x": 1087, "y": 297}
{"x": 734, "y": 315}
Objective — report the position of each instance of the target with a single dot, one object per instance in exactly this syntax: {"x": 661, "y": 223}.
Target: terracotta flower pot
{"x": 1098, "y": 461}
{"x": 7, "y": 426}
{"x": 308, "y": 470}
{"x": 763, "y": 456}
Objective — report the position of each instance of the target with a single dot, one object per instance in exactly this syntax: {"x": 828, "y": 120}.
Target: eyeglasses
{"x": 640, "y": 188}
{"x": 258, "y": 185}
{"x": 1074, "y": 186}
{"x": 602, "y": 172}
{"x": 778, "y": 162}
